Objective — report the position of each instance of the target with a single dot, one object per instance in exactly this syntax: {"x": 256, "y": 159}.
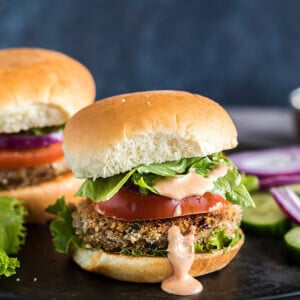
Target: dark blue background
{"x": 239, "y": 52}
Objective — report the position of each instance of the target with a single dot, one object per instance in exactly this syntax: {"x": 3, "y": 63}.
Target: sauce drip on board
{"x": 181, "y": 256}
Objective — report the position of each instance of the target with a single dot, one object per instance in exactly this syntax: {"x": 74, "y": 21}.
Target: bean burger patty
{"x": 151, "y": 236}
{"x": 21, "y": 177}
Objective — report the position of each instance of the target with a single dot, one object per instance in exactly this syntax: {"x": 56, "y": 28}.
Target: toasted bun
{"x": 119, "y": 133}
{"x": 148, "y": 269}
{"x": 38, "y": 197}
{"x": 41, "y": 88}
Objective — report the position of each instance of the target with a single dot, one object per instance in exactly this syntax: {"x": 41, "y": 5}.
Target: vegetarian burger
{"x": 39, "y": 91}
{"x": 151, "y": 160}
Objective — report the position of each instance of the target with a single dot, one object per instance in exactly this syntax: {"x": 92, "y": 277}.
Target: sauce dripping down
{"x": 181, "y": 256}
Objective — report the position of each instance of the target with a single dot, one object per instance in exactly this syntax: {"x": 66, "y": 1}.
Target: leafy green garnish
{"x": 64, "y": 236}
{"x": 137, "y": 252}
{"x": 43, "y": 130}
{"x": 229, "y": 186}
{"x": 8, "y": 264}
{"x": 103, "y": 188}
{"x": 219, "y": 240}
{"x": 12, "y": 233}
{"x": 144, "y": 182}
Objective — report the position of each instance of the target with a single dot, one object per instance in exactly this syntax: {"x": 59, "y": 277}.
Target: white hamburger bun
{"x": 146, "y": 268}
{"x": 129, "y": 130}
{"x": 41, "y": 88}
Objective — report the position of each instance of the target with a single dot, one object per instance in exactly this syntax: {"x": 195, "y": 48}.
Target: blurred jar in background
{"x": 295, "y": 103}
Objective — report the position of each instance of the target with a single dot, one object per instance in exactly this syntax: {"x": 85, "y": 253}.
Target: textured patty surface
{"x": 146, "y": 237}
{"x": 15, "y": 178}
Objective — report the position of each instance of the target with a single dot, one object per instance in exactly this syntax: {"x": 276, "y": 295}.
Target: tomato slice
{"x": 130, "y": 205}
{"x": 22, "y": 158}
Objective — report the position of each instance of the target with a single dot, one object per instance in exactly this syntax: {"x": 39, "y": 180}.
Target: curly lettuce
{"x": 12, "y": 234}
{"x": 8, "y": 265}
{"x": 64, "y": 237}
{"x": 220, "y": 240}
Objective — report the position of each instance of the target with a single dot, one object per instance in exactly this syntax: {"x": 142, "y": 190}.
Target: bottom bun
{"x": 148, "y": 268}
{"x": 37, "y": 198}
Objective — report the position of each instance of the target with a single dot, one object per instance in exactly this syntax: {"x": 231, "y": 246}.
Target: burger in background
{"x": 39, "y": 91}
{"x": 158, "y": 188}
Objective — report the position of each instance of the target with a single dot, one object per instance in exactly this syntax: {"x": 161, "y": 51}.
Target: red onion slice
{"x": 288, "y": 200}
{"x": 279, "y": 180}
{"x": 262, "y": 163}
{"x": 23, "y": 141}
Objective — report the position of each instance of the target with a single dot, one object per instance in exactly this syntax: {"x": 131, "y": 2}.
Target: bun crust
{"x": 38, "y": 197}
{"x": 119, "y": 133}
{"x": 41, "y": 88}
{"x": 148, "y": 269}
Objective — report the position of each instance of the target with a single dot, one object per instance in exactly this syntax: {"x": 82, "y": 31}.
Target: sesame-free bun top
{"x": 119, "y": 133}
{"x": 40, "y": 87}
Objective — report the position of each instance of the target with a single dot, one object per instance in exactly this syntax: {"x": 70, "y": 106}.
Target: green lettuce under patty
{"x": 220, "y": 239}
{"x": 229, "y": 186}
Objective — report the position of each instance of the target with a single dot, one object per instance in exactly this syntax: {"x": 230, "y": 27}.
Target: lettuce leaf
{"x": 134, "y": 252}
{"x": 220, "y": 240}
{"x": 144, "y": 182}
{"x": 43, "y": 130}
{"x": 12, "y": 233}
{"x": 8, "y": 264}
{"x": 229, "y": 186}
{"x": 64, "y": 237}
{"x": 103, "y": 188}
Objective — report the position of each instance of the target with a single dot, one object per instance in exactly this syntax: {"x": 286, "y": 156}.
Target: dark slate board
{"x": 261, "y": 270}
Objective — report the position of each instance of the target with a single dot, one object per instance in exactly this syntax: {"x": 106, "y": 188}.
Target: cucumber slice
{"x": 292, "y": 241}
{"x": 295, "y": 188}
{"x": 266, "y": 218}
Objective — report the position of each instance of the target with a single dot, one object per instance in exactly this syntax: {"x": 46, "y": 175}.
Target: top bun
{"x": 41, "y": 88}
{"x": 119, "y": 133}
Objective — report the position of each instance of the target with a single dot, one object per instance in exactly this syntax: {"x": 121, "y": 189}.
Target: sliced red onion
{"x": 23, "y": 141}
{"x": 269, "y": 162}
{"x": 279, "y": 180}
{"x": 288, "y": 200}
